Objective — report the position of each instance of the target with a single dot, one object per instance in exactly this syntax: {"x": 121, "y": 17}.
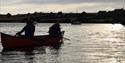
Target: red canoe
{"x": 9, "y": 41}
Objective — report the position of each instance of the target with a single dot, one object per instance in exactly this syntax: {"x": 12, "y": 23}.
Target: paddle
{"x": 66, "y": 38}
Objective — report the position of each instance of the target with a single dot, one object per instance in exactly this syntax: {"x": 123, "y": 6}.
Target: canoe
{"x": 12, "y": 42}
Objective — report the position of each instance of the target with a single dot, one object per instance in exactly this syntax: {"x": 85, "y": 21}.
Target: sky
{"x": 31, "y": 6}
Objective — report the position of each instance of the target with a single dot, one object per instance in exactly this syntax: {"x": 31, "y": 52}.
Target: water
{"x": 89, "y": 43}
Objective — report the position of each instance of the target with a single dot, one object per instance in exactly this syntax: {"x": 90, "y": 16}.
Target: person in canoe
{"x": 55, "y": 30}
{"x": 29, "y": 30}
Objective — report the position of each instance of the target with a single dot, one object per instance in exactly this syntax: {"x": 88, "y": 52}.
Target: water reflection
{"x": 89, "y": 43}
{"x": 36, "y": 55}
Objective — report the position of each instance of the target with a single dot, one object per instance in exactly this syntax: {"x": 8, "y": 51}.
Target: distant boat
{"x": 122, "y": 23}
{"x": 76, "y": 23}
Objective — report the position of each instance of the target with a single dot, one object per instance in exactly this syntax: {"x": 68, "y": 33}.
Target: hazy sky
{"x": 25, "y": 6}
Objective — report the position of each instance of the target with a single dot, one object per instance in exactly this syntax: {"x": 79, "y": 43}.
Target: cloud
{"x": 61, "y": 1}
{"x": 25, "y": 6}
{"x": 56, "y": 7}
{"x": 9, "y": 2}
{"x": 68, "y": 1}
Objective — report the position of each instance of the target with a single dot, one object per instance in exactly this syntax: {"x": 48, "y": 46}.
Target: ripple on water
{"x": 89, "y": 43}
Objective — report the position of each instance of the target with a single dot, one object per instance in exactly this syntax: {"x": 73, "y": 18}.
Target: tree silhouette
{"x": 8, "y": 15}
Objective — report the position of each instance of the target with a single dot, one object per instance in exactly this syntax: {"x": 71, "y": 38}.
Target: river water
{"x": 86, "y": 43}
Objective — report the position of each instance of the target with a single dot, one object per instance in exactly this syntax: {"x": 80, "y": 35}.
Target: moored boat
{"x": 76, "y": 23}
{"x": 12, "y": 42}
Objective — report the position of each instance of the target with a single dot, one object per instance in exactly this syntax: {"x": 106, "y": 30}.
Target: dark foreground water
{"x": 89, "y": 43}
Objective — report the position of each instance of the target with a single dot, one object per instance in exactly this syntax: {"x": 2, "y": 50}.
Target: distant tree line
{"x": 115, "y": 16}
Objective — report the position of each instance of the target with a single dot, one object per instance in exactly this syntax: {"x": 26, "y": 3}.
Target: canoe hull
{"x": 13, "y": 42}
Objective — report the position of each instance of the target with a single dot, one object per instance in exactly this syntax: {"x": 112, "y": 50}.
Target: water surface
{"x": 89, "y": 43}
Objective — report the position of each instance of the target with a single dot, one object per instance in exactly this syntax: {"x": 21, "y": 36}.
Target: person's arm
{"x": 19, "y": 33}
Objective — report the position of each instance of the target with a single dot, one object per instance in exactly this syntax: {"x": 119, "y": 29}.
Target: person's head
{"x": 29, "y": 22}
{"x": 57, "y": 23}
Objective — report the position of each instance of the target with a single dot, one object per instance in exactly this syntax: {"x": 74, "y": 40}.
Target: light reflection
{"x": 117, "y": 27}
{"x": 98, "y": 43}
